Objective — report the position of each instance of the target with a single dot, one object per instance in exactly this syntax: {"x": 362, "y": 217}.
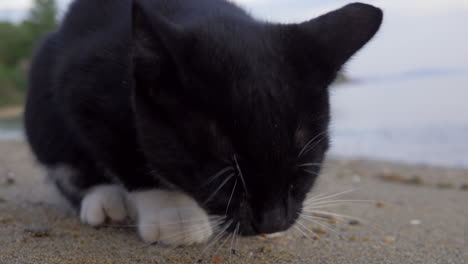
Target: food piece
{"x": 380, "y": 205}
{"x": 329, "y": 218}
{"x": 38, "y": 231}
{"x": 416, "y": 180}
{"x": 391, "y": 177}
{"x": 389, "y": 239}
{"x": 445, "y": 185}
{"x": 265, "y": 249}
{"x": 319, "y": 231}
{"x": 6, "y": 219}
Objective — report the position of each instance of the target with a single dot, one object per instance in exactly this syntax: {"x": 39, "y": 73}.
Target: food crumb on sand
{"x": 319, "y": 231}
{"x": 380, "y": 205}
{"x": 389, "y": 239}
{"x": 329, "y": 218}
{"x": 6, "y": 219}
{"x": 391, "y": 177}
{"x": 8, "y": 180}
{"x": 416, "y": 180}
{"x": 354, "y": 222}
{"x": 38, "y": 231}
{"x": 266, "y": 249}
{"x": 445, "y": 185}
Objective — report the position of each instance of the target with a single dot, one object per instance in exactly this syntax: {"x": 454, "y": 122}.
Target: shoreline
{"x": 10, "y": 112}
{"x": 416, "y": 209}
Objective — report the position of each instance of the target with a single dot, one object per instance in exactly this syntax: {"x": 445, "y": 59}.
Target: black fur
{"x": 172, "y": 93}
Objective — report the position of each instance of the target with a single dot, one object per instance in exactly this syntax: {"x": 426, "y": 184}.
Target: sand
{"x": 414, "y": 214}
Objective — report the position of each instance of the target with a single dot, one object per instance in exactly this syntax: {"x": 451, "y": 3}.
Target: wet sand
{"x": 414, "y": 214}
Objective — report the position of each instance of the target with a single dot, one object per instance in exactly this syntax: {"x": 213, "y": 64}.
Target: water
{"x": 422, "y": 120}
{"x": 11, "y": 129}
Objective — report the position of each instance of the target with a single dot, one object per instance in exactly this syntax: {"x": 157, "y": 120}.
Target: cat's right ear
{"x": 153, "y": 36}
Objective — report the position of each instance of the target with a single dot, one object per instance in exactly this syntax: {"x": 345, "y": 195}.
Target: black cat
{"x": 174, "y": 111}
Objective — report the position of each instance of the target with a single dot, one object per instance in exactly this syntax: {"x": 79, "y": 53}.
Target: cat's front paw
{"x": 104, "y": 203}
{"x": 170, "y": 218}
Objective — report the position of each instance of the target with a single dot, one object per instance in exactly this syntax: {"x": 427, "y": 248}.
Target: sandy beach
{"x": 412, "y": 214}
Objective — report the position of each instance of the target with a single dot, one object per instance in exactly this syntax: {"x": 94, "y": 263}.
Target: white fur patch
{"x": 66, "y": 177}
{"x": 171, "y": 218}
{"x": 103, "y": 203}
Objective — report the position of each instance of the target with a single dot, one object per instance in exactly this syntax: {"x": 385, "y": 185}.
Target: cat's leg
{"x": 170, "y": 218}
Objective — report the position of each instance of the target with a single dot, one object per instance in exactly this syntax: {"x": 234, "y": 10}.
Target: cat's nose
{"x": 271, "y": 221}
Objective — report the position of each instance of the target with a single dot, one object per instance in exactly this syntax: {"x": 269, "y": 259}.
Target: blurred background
{"x": 403, "y": 98}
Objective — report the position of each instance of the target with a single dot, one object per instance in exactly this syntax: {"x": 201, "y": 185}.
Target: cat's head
{"x": 235, "y": 112}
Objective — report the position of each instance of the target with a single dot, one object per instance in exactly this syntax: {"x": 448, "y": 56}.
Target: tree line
{"x": 17, "y": 44}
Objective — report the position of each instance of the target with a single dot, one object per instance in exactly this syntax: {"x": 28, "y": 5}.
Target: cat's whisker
{"x": 308, "y": 229}
{"x": 309, "y": 165}
{"x": 321, "y": 218}
{"x": 318, "y": 213}
{"x": 344, "y": 201}
{"x": 322, "y": 206}
{"x": 230, "y": 198}
{"x": 240, "y": 174}
{"x": 311, "y": 172}
{"x": 310, "y": 142}
{"x": 234, "y": 237}
{"x": 334, "y": 214}
{"x": 188, "y": 236}
{"x": 327, "y": 244}
{"x": 316, "y": 143}
{"x": 317, "y": 196}
{"x": 219, "y": 188}
{"x": 301, "y": 233}
{"x": 228, "y": 237}
{"x": 218, "y": 174}
{"x": 330, "y": 196}
{"x": 334, "y": 202}
{"x": 216, "y": 238}
{"x": 316, "y": 221}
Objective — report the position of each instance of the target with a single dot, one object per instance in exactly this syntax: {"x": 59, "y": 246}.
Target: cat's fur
{"x": 192, "y": 101}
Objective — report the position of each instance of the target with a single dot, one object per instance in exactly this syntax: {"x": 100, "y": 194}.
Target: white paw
{"x": 171, "y": 218}
{"x": 103, "y": 203}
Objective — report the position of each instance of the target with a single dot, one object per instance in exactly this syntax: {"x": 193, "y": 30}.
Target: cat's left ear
{"x": 341, "y": 33}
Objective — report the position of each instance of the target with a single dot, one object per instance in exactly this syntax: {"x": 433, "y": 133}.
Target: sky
{"x": 289, "y": 10}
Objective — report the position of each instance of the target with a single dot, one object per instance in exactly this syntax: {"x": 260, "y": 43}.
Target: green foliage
{"x": 17, "y": 42}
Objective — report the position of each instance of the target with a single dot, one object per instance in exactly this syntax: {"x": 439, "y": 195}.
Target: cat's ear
{"x": 154, "y": 36}
{"x": 341, "y": 33}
